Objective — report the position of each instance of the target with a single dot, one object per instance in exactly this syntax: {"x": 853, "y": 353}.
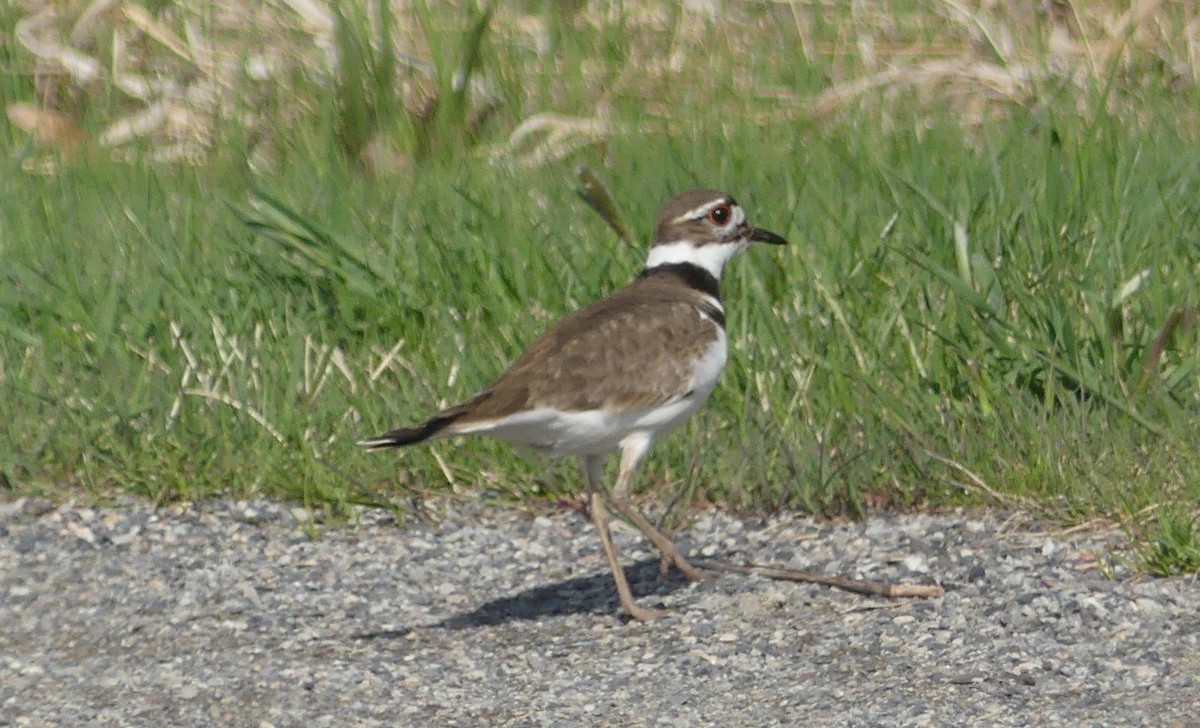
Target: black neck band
{"x": 698, "y": 279}
{"x": 692, "y": 275}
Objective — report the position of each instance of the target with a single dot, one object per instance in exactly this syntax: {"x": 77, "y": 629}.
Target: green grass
{"x": 1171, "y": 545}
{"x": 997, "y": 310}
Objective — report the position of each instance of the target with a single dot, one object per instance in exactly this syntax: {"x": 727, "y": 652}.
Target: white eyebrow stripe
{"x": 701, "y": 211}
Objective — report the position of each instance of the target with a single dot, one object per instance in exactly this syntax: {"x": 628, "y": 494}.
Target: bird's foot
{"x": 669, "y": 557}
{"x": 643, "y": 614}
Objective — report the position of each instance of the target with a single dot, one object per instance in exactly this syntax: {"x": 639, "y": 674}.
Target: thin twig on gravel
{"x": 859, "y": 586}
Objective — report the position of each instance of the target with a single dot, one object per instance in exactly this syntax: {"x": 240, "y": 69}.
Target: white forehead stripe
{"x": 701, "y": 211}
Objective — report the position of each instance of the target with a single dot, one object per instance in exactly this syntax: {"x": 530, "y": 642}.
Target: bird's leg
{"x": 600, "y": 519}
{"x": 632, "y": 451}
{"x": 593, "y": 467}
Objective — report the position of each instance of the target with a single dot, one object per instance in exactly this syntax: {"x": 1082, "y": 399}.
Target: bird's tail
{"x": 432, "y": 427}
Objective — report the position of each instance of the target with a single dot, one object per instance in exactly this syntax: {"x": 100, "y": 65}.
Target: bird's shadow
{"x": 594, "y": 594}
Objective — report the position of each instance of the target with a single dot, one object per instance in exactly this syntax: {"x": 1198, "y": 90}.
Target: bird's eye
{"x": 720, "y": 215}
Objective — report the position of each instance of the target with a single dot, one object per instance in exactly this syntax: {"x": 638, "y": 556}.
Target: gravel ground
{"x": 230, "y": 614}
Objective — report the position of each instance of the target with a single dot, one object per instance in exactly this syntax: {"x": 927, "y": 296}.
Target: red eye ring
{"x": 720, "y": 214}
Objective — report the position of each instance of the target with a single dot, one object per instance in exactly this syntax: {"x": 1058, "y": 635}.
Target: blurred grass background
{"x": 235, "y": 238}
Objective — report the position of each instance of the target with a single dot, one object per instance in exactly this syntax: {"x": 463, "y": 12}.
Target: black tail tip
{"x": 394, "y": 439}
{"x": 403, "y": 436}
{"x": 374, "y": 444}
{"x": 434, "y": 427}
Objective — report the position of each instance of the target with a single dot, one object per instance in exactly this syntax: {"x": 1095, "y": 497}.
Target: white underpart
{"x": 597, "y": 432}
{"x": 711, "y": 257}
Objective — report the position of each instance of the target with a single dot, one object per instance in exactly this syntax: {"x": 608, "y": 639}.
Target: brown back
{"x": 633, "y": 349}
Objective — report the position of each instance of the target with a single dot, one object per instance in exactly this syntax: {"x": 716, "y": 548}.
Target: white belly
{"x": 595, "y": 432}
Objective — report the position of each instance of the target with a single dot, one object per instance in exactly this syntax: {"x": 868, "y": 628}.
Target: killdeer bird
{"x": 620, "y": 373}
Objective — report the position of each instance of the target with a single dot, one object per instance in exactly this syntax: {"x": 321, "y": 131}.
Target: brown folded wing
{"x": 635, "y": 349}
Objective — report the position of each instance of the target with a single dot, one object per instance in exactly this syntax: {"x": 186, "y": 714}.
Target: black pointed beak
{"x": 759, "y": 235}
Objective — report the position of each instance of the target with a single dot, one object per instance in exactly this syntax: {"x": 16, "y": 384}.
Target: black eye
{"x": 720, "y": 215}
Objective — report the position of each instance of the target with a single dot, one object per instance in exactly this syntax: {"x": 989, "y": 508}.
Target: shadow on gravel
{"x": 582, "y": 595}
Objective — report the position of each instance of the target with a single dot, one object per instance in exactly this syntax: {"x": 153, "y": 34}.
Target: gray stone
{"x": 224, "y": 613}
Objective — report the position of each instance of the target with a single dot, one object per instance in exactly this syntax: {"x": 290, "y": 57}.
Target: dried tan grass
{"x": 991, "y": 54}
{"x": 179, "y": 74}
{"x": 175, "y": 74}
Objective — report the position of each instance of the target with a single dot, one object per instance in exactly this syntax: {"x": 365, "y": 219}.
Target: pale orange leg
{"x": 632, "y": 451}
{"x": 600, "y": 519}
{"x": 593, "y": 468}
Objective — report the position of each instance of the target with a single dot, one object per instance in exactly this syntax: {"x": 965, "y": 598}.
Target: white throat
{"x": 711, "y": 257}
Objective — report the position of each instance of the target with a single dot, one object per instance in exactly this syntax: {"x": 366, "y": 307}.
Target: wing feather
{"x": 622, "y": 352}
